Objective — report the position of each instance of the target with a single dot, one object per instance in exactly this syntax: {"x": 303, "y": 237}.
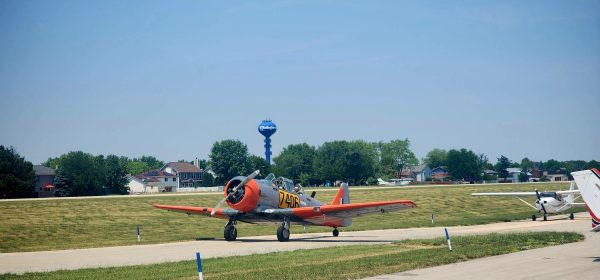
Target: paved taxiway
{"x": 579, "y": 260}
{"x": 168, "y": 252}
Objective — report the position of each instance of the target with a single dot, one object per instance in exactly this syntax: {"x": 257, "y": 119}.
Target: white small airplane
{"x": 393, "y": 182}
{"x": 547, "y": 202}
{"x": 588, "y": 182}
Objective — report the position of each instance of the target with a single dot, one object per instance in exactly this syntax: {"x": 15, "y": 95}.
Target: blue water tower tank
{"x": 267, "y": 128}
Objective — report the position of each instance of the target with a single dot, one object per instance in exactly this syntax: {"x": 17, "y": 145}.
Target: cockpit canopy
{"x": 282, "y": 183}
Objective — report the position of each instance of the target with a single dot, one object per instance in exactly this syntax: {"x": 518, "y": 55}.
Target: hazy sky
{"x": 169, "y": 78}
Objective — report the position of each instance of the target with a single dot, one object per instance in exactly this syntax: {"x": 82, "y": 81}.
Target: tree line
{"x": 358, "y": 162}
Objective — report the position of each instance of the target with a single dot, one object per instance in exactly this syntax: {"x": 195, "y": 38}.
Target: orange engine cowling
{"x": 246, "y": 197}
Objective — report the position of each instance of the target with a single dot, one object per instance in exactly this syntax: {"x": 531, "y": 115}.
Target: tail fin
{"x": 342, "y": 196}
{"x": 588, "y": 182}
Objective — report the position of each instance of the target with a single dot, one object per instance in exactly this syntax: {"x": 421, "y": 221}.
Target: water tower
{"x": 267, "y": 128}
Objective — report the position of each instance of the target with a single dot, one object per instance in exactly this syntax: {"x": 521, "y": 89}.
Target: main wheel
{"x": 336, "y": 232}
{"x": 283, "y": 234}
{"x": 571, "y": 216}
{"x": 230, "y": 233}
{"x": 533, "y": 217}
{"x": 545, "y": 217}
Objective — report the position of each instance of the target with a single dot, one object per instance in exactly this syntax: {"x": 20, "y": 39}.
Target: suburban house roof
{"x": 489, "y": 171}
{"x": 182, "y": 167}
{"x": 41, "y": 170}
{"x": 156, "y": 173}
{"x": 419, "y": 168}
{"x": 143, "y": 179}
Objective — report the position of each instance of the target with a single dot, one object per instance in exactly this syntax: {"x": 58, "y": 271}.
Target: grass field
{"x": 36, "y": 225}
{"x": 348, "y": 262}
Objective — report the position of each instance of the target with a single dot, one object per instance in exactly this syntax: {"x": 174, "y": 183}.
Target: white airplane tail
{"x": 381, "y": 181}
{"x": 588, "y": 182}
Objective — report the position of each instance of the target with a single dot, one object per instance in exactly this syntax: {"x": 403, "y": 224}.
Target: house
{"x": 44, "y": 178}
{"x": 513, "y": 174}
{"x": 439, "y": 174}
{"x": 144, "y": 184}
{"x": 168, "y": 181}
{"x": 187, "y": 175}
{"x": 557, "y": 177}
{"x": 421, "y": 172}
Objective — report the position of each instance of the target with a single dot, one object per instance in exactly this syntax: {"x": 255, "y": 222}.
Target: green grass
{"x": 347, "y": 262}
{"x": 100, "y": 222}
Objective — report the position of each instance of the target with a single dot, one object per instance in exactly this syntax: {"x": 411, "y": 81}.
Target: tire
{"x": 336, "y": 232}
{"x": 283, "y": 234}
{"x": 545, "y": 217}
{"x": 572, "y": 216}
{"x": 533, "y": 218}
{"x": 230, "y": 233}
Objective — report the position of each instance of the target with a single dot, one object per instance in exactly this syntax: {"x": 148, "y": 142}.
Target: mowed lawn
{"x": 55, "y": 224}
{"x": 347, "y": 262}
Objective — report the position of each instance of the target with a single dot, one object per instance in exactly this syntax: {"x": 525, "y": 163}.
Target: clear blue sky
{"x": 169, "y": 78}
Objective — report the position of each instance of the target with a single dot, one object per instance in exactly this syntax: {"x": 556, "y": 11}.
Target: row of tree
{"x": 359, "y": 162}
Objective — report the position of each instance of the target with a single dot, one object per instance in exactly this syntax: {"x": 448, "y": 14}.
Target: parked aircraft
{"x": 588, "y": 182}
{"x": 547, "y": 202}
{"x": 278, "y": 200}
{"x": 394, "y": 182}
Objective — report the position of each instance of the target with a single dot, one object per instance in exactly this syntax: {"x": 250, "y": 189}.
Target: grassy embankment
{"x": 348, "y": 262}
{"x": 100, "y": 222}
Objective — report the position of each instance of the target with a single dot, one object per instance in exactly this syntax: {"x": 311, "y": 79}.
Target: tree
{"x": 229, "y": 158}
{"x": 17, "y": 178}
{"x": 436, "y": 157}
{"x": 553, "y": 166}
{"x": 294, "y": 160}
{"x": 592, "y": 164}
{"x": 84, "y": 172}
{"x": 61, "y": 184}
{"x": 501, "y": 165}
{"x": 258, "y": 163}
{"x": 394, "y": 156}
{"x": 527, "y": 164}
{"x": 464, "y": 164}
{"x": 208, "y": 180}
{"x": 343, "y": 160}
{"x": 115, "y": 172}
{"x": 137, "y": 167}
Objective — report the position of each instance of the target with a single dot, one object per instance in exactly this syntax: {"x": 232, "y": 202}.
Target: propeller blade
{"x": 234, "y": 190}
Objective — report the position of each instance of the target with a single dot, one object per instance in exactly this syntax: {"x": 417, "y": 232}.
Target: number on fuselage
{"x": 288, "y": 200}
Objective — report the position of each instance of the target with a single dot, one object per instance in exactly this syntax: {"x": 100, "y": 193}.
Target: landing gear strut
{"x": 545, "y": 217}
{"x": 230, "y": 232}
{"x": 336, "y": 232}
{"x": 283, "y": 232}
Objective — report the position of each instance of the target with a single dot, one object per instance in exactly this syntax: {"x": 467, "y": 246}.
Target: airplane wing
{"x": 506, "y": 194}
{"x": 330, "y": 214}
{"x": 568, "y": 192}
{"x": 190, "y": 210}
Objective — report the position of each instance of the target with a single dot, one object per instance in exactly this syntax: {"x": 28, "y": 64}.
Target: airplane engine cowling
{"x": 246, "y": 197}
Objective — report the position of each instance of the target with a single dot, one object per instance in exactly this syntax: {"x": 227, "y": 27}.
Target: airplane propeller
{"x": 234, "y": 191}
{"x": 539, "y": 197}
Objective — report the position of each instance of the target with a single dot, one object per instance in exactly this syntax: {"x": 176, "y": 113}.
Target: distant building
{"x": 419, "y": 173}
{"x": 44, "y": 180}
{"x": 144, "y": 184}
{"x": 187, "y": 175}
{"x": 439, "y": 174}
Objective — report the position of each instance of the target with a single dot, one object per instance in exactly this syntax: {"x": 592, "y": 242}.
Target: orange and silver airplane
{"x": 278, "y": 200}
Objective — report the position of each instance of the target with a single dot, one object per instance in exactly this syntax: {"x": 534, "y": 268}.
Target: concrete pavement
{"x": 169, "y": 252}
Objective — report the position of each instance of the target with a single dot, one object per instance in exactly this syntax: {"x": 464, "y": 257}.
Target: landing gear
{"x": 572, "y": 216}
{"x": 533, "y": 217}
{"x": 283, "y": 232}
{"x": 336, "y": 232}
{"x": 230, "y": 232}
{"x": 545, "y": 217}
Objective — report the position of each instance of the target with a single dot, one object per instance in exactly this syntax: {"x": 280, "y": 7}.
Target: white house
{"x": 142, "y": 184}
{"x": 187, "y": 176}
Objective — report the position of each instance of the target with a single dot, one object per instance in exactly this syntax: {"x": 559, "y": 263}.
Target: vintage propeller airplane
{"x": 278, "y": 200}
{"x": 588, "y": 182}
{"x": 547, "y": 202}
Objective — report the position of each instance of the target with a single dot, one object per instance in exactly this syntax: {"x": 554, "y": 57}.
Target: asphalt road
{"x": 169, "y": 252}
